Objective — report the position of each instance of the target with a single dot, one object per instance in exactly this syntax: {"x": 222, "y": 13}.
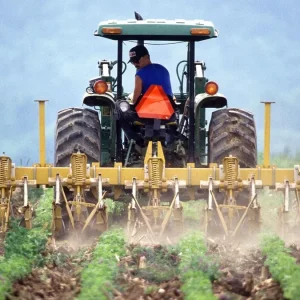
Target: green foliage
{"x": 196, "y": 268}
{"x": 193, "y": 210}
{"x": 161, "y": 262}
{"x": 150, "y": 289}
{"x": 30, "y": 243}
{"x": 35, "y": 194}
{"x": 114, "y": 207}
{"x": 282, "y": 266}
{"x": 284, "y": 159}
{"x": 97, "y": 277}
{"x": 197, "y": 286}
{"x": 24, "y": 248}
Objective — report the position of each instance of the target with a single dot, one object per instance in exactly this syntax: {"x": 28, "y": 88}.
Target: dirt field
{"x": 151, "y": 272}
{"x": 241, "y": 274}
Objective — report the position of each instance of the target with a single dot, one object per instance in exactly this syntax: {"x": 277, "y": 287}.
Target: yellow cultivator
{"x": 154, "y": 180}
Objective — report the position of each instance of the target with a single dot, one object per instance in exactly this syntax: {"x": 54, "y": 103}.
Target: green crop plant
{"x": 196, "y": 268}
{"x": 97, "y": 277}
{"x": 161, "y": 262}
{"x": 24, "y": 248}
{"x": 282, "y": 266}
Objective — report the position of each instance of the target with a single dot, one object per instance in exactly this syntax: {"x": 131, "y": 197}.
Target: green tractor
{"x": 99, "y": 133}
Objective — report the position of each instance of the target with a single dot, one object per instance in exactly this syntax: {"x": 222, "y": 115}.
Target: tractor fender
{"x": 106, "y": 99}
{"x": 204, "y": 100}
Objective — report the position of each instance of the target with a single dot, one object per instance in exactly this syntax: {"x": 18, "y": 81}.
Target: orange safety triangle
{"x": 155, "y": 104}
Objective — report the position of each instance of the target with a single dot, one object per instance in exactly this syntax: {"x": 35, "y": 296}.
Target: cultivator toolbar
{"x": 155, "y": 180}
{"x": 225, "y": 184}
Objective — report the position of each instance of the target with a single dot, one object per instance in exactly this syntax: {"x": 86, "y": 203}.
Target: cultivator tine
{"x": 168, "y": 214}
{"x": 57, "y": 224}
{"x": 177, "y": 211}
{"x": 68, "y": 207}
{"x": 131, "y": 223}
{"x": 284, "y": 213}
{"x": 145, "y": 218}
{"x": 285, "y": 209}
{"x": 99, "y": 210}
{"x": 286, "y": 205}
{"x": 102, "y": 219}
{"x": 253, "y": 193}
{"x": 219, "y": 212}
{"x": 101, "y": 213}
{"x": 208, "y": 209}
{"x": 254, "y": 213}
{"x": 244, "y": 215}
{"x": 27, "y": 209}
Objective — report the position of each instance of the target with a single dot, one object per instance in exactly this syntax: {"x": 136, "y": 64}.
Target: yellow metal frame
{"x": 153, "y": 176}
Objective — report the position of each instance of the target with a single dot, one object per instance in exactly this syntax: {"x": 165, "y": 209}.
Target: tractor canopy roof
{"x": 157, "y": 29}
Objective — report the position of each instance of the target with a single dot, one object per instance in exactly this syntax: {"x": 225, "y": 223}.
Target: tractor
{"x": 153, "y": 154}
{"x": 161, "y": 131}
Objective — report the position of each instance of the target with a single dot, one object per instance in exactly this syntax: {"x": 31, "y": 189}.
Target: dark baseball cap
{"x": 137, "y": 52}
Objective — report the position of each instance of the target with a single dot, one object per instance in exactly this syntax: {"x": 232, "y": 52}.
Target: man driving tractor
{"x": 148, "y": 73}
{"x": 149, "y": 76}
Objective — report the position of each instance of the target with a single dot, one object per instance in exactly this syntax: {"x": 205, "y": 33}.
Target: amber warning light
{"x": 211, "y": 88}
{"x": 100, "y": 87}
{"x": 200, "y": 31}
{"x": 111, "y": 30}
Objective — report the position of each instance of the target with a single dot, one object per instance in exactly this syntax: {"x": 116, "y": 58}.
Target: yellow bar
{"x": 42, "y": 132}
{"x": 268, "y": 176}
{"x": 267, "y": 137}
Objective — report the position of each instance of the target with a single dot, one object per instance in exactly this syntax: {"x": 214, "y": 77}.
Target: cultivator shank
{"x": 154, "y": 217}
{"x": 230, "y": 184}
{"x": 286, "y": 223}
{"x": 78, "y": 181}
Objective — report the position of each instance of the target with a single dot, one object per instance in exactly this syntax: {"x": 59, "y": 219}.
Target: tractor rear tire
{"x": 232, "y": 132}
{"x": 77, "y": 129}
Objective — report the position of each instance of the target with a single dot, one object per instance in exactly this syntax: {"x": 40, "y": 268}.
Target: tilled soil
{"x": 148, "y": 273}
{"x": 243, "y": 274}
{"x": 295, "y": 251}
{"x": 58, "y": 279}
{"x": 138, "y": 288}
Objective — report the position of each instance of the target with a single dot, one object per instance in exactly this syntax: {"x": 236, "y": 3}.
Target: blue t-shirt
{"x": 155, "y": 74}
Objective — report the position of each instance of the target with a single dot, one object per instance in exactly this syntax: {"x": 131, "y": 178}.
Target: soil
{"x": 141, "y": 274}
{"x": 58, "y": 279}
{"x": 243, "y": 274}
{"x": 295, "y": 252}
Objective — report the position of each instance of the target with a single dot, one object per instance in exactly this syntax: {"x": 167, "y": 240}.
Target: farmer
{"x": 148, "y": 73}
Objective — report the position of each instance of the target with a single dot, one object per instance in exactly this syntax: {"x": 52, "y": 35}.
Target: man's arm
{"x": 137, "y": 88}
